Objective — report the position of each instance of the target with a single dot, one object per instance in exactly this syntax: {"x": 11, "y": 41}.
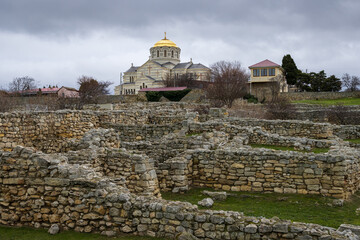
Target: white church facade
{"x": 164, "y": 61}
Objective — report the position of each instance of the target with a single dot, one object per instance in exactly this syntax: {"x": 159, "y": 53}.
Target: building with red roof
{"x": 65, "y": 92}
{"x": 267, "y": 79}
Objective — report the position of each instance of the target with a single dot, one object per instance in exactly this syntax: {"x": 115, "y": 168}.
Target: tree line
{"x": 317, "y": 82}
{"x": 89, "y": 87}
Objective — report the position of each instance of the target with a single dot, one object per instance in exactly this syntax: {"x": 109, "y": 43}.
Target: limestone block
{"x": 251, "y": 228}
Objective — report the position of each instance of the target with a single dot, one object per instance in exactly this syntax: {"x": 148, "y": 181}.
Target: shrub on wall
{"x": 251, "y": 98}
{"x": 176, "y": 96}
{"x": 153, "y": 96}
{"x": 173, "y": 96}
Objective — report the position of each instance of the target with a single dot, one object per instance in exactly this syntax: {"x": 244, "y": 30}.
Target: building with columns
{"x": 164, "y": 61}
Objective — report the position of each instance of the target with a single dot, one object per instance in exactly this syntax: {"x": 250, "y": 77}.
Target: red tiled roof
{"x": 44, "y": 90}
{"x": 164, "y": 89}
{"x": 265, "y": 63}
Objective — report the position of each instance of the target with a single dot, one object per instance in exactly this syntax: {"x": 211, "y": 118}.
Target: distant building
{"x": 64, "y": 92}
{"x": 164, "y": 61}
{"x": 267, "y": 78}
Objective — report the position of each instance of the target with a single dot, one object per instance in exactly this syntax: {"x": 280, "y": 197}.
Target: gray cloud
{"x": 57, "y": 41}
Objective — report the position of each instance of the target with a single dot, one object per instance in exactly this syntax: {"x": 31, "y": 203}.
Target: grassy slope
{"x": 295, "y": 207}
{"x": 344, "y": 101}
{"x": 24, "y": 233}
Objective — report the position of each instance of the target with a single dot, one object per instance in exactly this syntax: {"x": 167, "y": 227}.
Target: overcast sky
{"x": 55, "y": 41}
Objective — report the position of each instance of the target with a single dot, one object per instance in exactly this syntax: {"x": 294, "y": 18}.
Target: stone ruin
{"x": 103, "y": 171}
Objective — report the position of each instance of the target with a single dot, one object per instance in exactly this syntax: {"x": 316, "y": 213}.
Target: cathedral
{"x": 164, "y": 61}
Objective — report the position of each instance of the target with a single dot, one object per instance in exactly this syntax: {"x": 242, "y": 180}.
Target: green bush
{"x": 173, "y": 96}
{"x": 153, "y": 96}
{"x": 176, "y": 96}
{"x": 251, "y": 98}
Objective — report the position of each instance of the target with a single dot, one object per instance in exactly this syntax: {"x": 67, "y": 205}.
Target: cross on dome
{"x": 165, "y": 42}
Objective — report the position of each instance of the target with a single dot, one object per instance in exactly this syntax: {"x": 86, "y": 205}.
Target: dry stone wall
{"x": 40, "y": 190}
{"x": 264, "y": 170}
{"x": 292, "y": 96}
{"x": 146, "y": 132}
{"x": 289, "y": 128}
{"x": 51, "y": 131}
{"x": 214, "y": 159}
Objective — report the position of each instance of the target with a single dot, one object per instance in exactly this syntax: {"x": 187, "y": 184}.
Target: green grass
{"x": 26, "y": 233}
{"x": 192, "y": 134}
{"x": 353, "y": 140}
{"x": 283, "y": 148}
{"x": 295, "y": 207}
{"x": 344, "y": 101}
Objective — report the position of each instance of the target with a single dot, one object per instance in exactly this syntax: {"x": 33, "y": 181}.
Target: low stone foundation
{"x": 38, "y": 190}
{"x": 109, "y": 180}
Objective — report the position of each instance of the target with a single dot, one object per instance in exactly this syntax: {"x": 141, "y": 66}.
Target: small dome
{"x": 165, "y": 43}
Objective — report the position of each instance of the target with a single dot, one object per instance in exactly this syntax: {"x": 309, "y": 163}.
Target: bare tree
{"x": 90, "y": 89}
{"x": 229, "y": 82}
{"x": 276, "y": 86}
{"x": 274, "y": 89}
{"x": 344, "y": 115}
{"x": 351, "y": 82}
{"x": 281, "y": 108}
{"x": 21, "y": 84}
{"x": 182, "y": 80}
{"x": 185, "y": 80}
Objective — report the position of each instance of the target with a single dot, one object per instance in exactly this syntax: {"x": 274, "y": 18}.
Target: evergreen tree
{"x": 304, "y": 82}
{"x": 332, "y": 84}
{"x": 291, "y": 70}
{"x": 318, "y": 82}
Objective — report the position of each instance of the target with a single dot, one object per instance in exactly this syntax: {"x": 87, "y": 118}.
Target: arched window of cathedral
{"x": 172, "y": 54}
{"x": 143, "y": 85}
{"x": 165, "y": 53}
{"x": 158, "y": 54}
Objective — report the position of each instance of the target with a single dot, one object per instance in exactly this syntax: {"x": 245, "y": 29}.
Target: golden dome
{"x": 165, "y": 43}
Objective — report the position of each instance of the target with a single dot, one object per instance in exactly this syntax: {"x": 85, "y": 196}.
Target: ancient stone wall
{"x": 292, "y": 96}
{"x": 143, "y": 132}
{"x": 59, "y": 132}
{"x": 40, "y": 190}
{"x": 50, "y": 131}
{"x": 156, "y": 106}
{"x": 211, "y": 159}
{"x": 289, "y": 127}
{"x": 265, "y": 170}
{"x": 347, "y": 131}
{"x": 285, "y": 128}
